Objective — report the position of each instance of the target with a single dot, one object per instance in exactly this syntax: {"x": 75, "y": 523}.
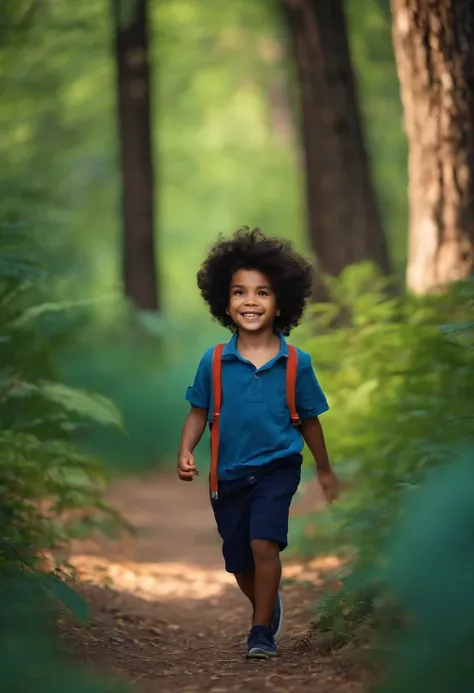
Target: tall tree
{"x": 434, "y": 47}
{"x": 344, "y": 220}
{"x": 136, "y": 151}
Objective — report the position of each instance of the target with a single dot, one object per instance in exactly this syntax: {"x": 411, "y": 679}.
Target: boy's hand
{"x": 187, "y": 470}
{"x": 330, "y": 484}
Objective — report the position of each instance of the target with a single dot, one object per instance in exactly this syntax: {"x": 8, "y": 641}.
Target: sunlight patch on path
{"x": 153, "y": 581}
{"x": 182, "y": 580}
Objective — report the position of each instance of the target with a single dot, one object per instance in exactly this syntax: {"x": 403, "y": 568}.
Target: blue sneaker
{"x": 261, "y": 644}
{"x": 276, "y": 623}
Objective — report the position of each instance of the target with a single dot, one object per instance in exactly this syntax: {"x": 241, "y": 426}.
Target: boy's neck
{"x": 257, "y": 340}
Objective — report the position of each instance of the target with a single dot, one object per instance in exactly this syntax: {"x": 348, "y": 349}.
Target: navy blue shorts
{"x": 255, "y": 506}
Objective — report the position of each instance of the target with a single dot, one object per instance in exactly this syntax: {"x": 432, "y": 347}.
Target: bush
{"x": 50, "y": 489}
{"x": 430, "y": 571}
{"x": 30, "y": 654}
{"x": 399, "y": 377}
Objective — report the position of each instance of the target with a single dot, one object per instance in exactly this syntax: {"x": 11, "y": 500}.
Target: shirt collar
{"x": 230, "y": 349}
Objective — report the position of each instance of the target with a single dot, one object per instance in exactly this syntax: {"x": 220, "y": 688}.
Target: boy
{"x": 257, "y": 287}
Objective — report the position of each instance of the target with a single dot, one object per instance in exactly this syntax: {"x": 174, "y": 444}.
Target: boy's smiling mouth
{"x": 251, "y": 315}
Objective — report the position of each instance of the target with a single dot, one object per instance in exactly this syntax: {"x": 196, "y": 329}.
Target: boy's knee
{"x": 265, "y": 550}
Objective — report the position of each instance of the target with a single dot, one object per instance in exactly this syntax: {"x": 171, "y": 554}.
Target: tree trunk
{"x": 136, "y": 152}
{"x": 344, "y": 220}
{"x": 434, "y": 47}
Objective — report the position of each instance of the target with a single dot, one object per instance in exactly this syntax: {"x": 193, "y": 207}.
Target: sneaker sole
{"x": 279, "y": 630}
{"x": 257, "y": 653}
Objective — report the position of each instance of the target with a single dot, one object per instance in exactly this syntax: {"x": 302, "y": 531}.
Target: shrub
{"x": 50, "y": 490}
{"x": 399, "y": 375}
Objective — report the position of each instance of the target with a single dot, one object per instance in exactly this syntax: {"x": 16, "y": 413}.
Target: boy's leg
{"x": 267, "y": 579}
{"x": 246, "y": 582}
{"x": 271, "y": 500}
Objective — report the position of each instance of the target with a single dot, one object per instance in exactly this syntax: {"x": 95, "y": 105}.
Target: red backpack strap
{"x": 291, "y": 372}
{"x": 217, "y": 401}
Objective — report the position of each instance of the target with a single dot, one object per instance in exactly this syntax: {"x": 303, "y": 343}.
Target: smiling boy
{"x": 257, "y": 287}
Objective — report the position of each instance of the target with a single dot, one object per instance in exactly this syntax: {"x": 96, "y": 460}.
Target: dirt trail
{"x": 166, "y": 617}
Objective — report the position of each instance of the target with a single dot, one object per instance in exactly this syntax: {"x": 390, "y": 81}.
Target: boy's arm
{"x": 310, "y": 403}
{"x": 199, "y": 397}
{"x": 193, "y": 430}
{"x": 312, "y": 432}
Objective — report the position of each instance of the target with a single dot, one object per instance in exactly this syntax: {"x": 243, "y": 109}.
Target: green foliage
{"x": 430, "y": 570}
{"x": 224, "y": 125}
{"x": 30, "y": 655}
{"x": 399, "y": 376}
{"x": 50, "y": 489}
{"x": 57, "y": 588}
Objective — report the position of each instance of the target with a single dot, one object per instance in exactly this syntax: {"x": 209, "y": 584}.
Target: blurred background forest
{"x": 133, "y": 133}
{"x": 226, "y": 151}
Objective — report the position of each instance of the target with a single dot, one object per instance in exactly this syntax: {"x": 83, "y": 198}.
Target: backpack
{"x": 291, "y": 371}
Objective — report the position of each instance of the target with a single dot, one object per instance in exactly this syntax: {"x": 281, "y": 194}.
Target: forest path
{"x": 166, "y": 617}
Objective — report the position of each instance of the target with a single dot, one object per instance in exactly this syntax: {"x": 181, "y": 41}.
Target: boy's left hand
{"x": 330, "y": 485}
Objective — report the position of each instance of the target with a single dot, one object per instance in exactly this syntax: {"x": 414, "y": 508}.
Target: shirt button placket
{"x": 256, "y": 386}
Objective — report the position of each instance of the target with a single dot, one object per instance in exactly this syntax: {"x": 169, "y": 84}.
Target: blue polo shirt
{"x": 255, "y": 424}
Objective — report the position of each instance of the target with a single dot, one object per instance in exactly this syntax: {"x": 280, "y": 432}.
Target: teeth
{"x": 251, "y": 315}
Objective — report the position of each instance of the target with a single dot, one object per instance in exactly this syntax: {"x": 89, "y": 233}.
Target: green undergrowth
{"x": 399, "y": 375}
{"x": 51, "y": 490}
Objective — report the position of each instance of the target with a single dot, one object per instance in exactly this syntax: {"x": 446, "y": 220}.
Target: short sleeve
{"x": 310, "y": 398}
{"x": 199, "y": 394}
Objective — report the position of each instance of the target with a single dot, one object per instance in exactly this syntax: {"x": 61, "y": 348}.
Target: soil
{"x": 166, "y": 616}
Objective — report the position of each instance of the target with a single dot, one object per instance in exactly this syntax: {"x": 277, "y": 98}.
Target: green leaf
{"x": 90, "y": 405}
{"x": 66, "y": 595}
{"x": 31, "y": 314}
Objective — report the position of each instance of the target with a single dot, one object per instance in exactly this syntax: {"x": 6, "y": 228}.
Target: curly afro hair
{"x": 290, "y": 275}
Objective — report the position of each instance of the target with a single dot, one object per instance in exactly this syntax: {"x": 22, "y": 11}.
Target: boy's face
{"x": 252, "y": 302}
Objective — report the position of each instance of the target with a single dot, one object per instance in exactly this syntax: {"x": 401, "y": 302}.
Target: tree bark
{"x": 344, "y": 220}
{"x": 136, "y": 152}
{"x": 434, "y": 47}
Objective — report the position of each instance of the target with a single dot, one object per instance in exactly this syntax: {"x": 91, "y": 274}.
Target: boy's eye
{"x": 241, "y": 292}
